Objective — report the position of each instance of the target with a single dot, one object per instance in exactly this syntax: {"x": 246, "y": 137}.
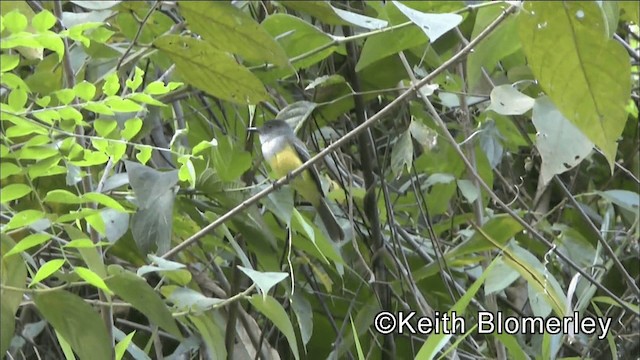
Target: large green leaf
{"x": 152, "y": 223}
{"x": 135, "y": 290}
{"x": 272, "y": 309}
{"x": 77, "y": 322}
{"x": 14, "y": 274}
{"x": 297, "y": 37}
{"x": 206, "y": 67}
{"x": 586, "y": 74}
{"x": 229, "y": 29}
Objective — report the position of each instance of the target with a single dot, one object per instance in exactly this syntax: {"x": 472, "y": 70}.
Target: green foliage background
{"x": 479, "y": 156}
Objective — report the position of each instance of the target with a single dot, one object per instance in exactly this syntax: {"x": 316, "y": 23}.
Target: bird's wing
{"x": 303, "y": 153}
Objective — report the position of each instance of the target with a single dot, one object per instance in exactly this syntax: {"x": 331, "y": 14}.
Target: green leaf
{"x": 359, "y": 20}
{"x": 13, "y": 191}
{"x": 433, "y": 25}
{"x": 98, "y": 108}
{"x": 122, "y": 346}
{"x": 402, "y": 154}
{"x": 17, "y": 99}
{"x": 264, "y": 280}
{"x": 436, "y": 342}
{"x": 44, "y": 101}
{"x": 53, "y": 42}
{"x": 62, "y": 196}
{"x": 152, "y": 223}
{"x": 85, "y": 90}
{"x": 140, "y": 295}
{"x": 297, "y": 113}
{"x": 97, "y": 223}
{"x": 229, "y": 29}
{"x": 144, "y": 153}
{"x": 91, "y": 158}
{"x": 298, "y": 37}
{"x": 468, "y": 190}
{"x": 118, "y": 104}
{"x": 561, "y": 145}
{"x": 48, "y": 116}
{"x": 211, "y": 70}
{"x": 185, "y": 299}
{"x": 77, "y": 322}
{"x": 230, "y": 162}
{"x": 501, "y": 42}
{"x": 187, "y": 171}
{"x": 70, "y": 113}
{"x": 131, "y": 128}
{"x": 13, "y": 274}
{"x": 65, "y": 96}
{"x": 159, "y": 88}
{"x": 23, "y": 218}
{"x": 357, "y": 341}
{"x": 270, "y": 308}
{"x": 103, "y": 199}
{"x": 13, "y": 81}
{"x": 135, "y": 83}
{"x": 378, "y": 47}
{"x": 43, "y": 21}
{"x": 8, "y": 169}
{"x": 505, "y": 100}
{"x": 104, "y": 127}
{"x": 46, "y": 270}
{"x": 92, "y": 278}
{"x": 212, "y": 333}
{"x": 624, "y": 198}
{"x": 8, "y": 62}
{"x": 83, "y": 244}
{"x": 304, "y": 314}
{"x": 15, "y": 21}
{"x": 591, "y": 91}
{"x": 202, "y": 146}
{"x": 538, "y": 277}
{"x": 111, "y": 84}
{"x": 145, "y": 99}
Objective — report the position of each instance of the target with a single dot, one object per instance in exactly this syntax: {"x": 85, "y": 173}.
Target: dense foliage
{"x": 480, "y": 157}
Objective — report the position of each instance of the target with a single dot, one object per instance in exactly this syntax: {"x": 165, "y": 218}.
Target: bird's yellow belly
{"x": 285, "y": 162}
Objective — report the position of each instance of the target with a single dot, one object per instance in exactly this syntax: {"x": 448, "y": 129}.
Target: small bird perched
{"x": 285, "y": 152}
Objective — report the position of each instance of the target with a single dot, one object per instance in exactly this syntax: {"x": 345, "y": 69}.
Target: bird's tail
{"x": 329, "y": 220}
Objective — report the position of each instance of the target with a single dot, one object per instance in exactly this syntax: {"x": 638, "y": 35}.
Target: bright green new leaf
{"x": 8, "y": 62}
{"x": 23, "y": 218}
{"x": 111, "y": 84}
{"x": 13, "y": 191}
{"x": 43, "y": 21}
{"x": 92, "y": 278}
{"x": 27, "y": 243}
{"x": 85, "y": 90}
{"x": 46, "y": 270}
{"x": 15, "y": 21}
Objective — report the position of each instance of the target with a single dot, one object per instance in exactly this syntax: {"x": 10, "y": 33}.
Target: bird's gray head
{"x": 273, "y": 129}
